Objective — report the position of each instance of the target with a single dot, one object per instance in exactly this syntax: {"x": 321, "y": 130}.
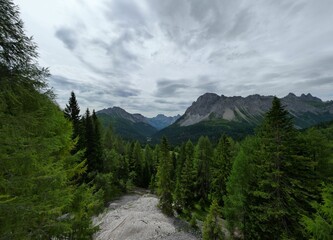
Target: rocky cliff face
{"x": 306, "y": 109}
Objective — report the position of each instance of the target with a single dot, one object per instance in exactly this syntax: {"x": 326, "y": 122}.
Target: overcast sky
{"x": 158, "y": 56}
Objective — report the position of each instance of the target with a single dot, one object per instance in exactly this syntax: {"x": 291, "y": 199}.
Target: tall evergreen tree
{"x": 212, "y": 229}
{"x": 164, "y": 181}
{"x": 185, "y": 197}
{"x": 72, "y": 113}
{"x": 241, "y": 178}
{"x": 93, "y": 145}
{"x": 221, "y": 169}
{"x": 282, "y": 190}
{"x": 203, "y": 161}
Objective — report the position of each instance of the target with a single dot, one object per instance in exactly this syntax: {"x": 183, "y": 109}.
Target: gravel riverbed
{"x": 137, "y": 217}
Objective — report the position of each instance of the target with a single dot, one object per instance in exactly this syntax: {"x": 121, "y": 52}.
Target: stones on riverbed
{"x": 137, "y": 218}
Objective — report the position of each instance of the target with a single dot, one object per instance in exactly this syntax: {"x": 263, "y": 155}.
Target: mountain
{"x": 133, "y": 126}
{"x": 161, "y": 121}
{"x": 214, "y": 115}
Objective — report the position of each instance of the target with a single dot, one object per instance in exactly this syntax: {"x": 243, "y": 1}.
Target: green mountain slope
{"x": 127, "y": 129}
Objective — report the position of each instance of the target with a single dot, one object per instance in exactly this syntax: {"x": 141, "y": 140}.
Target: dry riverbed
{"x": 137, "y": 217}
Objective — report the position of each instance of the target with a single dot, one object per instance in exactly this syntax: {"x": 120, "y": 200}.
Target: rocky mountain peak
{"x": 251, "y": 108}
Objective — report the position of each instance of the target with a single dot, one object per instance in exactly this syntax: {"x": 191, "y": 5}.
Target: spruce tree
{"x": 164, "y": 181}
{"x": 282, "y": 190}
{"x": 72, "y": 113}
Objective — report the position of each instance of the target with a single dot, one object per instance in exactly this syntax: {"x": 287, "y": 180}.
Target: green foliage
{"x": 184, "y": 192}
{"x": 17, "y": 51}
{"x": 238, "y": 185}
{"x": 212, "y": 227}
{"x": 37, "y": 167}
{"x": 212, "y": 129}
{"x": 164, "y": 181}
{"x": 320, "y": 224}
{"x": 202, "y": 166}
{"x": 39, "y": 198}
{"x": 126, "y": 129}
{"x": 272, "y": 182}
{"x": 221, "y": 168}
{"x": 93, "y": 145}
{"x": 72, "y": 113}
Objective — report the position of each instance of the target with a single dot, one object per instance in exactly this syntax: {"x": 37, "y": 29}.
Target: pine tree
{"x": 164, "y": 181}
{"x": 212, "y": 227}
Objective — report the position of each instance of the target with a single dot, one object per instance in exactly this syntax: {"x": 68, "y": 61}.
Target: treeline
{"x": 276, "y": 184}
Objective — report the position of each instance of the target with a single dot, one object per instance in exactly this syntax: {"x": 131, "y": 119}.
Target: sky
{"x": 154, "y": 56}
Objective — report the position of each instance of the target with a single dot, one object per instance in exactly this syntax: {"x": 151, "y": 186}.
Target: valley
{"x": 213, "y": 115}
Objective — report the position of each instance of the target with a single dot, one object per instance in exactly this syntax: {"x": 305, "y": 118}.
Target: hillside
{"x": 133, "y": 126}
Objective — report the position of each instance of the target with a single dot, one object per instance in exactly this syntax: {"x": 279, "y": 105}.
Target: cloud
{"x": 68, "y": 37}
{"x": 153, "y": 56}
{"x": 316, "y": 81}
{"x": 170, "y": 88}
{"x": 125, "y": 92}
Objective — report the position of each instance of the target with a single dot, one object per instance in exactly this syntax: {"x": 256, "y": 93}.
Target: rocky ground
{"x": 137, "y": 217}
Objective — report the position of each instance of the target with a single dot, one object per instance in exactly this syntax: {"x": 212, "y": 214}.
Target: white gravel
{"x": 136, "y": 217}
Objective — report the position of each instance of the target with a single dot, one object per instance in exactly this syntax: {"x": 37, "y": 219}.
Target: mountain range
{"x": 133, "y": 126}
{"x": 213, "y": 115}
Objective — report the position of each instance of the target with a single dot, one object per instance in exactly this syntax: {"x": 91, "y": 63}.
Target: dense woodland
{"x": 61, "y": 167}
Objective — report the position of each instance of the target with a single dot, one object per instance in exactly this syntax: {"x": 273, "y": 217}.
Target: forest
{"x": 59, "y": 168}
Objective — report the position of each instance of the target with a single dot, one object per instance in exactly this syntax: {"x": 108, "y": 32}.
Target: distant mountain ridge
{"x": 214, "y": 115}
{"x": 250, "y": 109}
{"x": 161, "y": 121}
{"x": 133, "y": 126}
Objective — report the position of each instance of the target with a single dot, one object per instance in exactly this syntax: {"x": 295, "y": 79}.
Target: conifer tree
{"x": 241, "y": 178}
{"x": 72, "y": 113}
{"x": 17, "y": 51}
{"x": 212, "y": 227}
{"x": 164, "y": 181}
{"x": 282, "y": 190}
{"x": 320, "y": 224}
{"x": 186, "y": 180}
{"x": 221, "y": 169}
{"x": 93, "y": 146}
{"x": 38, "y": 199}
{"x": 203, "y": 161}
{"x": 98, "y": 149}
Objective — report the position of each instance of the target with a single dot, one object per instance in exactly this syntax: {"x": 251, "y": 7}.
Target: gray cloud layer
{"x": 153, "y": 56}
